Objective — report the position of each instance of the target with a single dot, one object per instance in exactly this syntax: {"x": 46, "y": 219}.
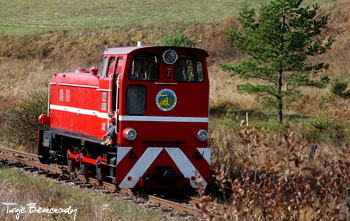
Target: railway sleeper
{"x": 52, "y": 175}
{"x": 31, "y": 169}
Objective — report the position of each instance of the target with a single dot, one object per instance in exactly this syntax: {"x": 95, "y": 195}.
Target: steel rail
{"x": 19, "y": 153}
{"x": 175, "y": 205}
{"x": 33, "y": 164}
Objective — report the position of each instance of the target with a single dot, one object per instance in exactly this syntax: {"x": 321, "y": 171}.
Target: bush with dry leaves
{"x": 280, "y": 182}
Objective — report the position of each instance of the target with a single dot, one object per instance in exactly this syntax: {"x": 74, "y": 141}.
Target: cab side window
{"x": 136, "y": 99}
{"x": 188, "y": 69}
{"x": 120, "y": 62}
{"x": 111, "y": 65}
{"x": 144, "y": 68}
{"x": 104, "y": 67}
{"x": 107, "y": 66}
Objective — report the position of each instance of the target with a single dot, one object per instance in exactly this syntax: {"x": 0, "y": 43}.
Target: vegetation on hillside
{"x": 341, "y": 89}
{"x": 177, "y": 39}
{"x": 21, "y": 124}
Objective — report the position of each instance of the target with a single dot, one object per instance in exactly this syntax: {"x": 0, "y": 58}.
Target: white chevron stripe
{"x": 205, "y": 153}
{"x": 121, "y": 152}
{"x": 140, "y": 167}
{"x": 185, "y": 165}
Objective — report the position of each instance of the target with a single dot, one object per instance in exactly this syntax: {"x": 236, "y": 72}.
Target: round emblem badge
{"x": 166, "y": 100}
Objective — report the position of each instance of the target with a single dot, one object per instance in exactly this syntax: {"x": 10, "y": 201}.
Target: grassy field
{"x": 19, "y": 17}
{"x": 32, "y": 16}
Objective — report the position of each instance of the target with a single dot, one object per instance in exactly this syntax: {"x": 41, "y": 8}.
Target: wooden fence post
{"x": 312, "y": 155}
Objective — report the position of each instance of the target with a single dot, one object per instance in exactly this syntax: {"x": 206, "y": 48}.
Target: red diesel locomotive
{"x": 160, "y": 97}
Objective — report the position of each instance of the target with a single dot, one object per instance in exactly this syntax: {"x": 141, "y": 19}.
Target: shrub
{"x": 281, "y": 183}
{"x": 339, "y": 88}
{"x": 321, "y": 124}
{"x": 177, "y": 39}
{"x": 22, "y": 124}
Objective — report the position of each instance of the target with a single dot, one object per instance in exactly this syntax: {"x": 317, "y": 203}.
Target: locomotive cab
{"x": 160, "y": 97}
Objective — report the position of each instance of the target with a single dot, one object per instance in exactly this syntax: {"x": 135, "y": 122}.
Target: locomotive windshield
{"x": 188, "y": 69}
{"x": 144, "y": 68}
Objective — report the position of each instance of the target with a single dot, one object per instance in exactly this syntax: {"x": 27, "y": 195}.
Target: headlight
{"x": 170, "y": 56}
{"x": 202, "y": 135}
{"x": 129, "y": 134}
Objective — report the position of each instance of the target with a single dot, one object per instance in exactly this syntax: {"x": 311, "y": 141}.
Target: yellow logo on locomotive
{"x": 166, "y": 100}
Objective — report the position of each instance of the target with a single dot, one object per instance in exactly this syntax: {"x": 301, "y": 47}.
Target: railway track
{"x": 19, "y": 159}
{"x": 19, "y": 153}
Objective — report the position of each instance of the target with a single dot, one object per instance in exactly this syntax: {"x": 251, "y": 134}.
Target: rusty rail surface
{"x": 19, "y": 153}
{"x": 33, "y": 164}
{"x": 175, "y": 205}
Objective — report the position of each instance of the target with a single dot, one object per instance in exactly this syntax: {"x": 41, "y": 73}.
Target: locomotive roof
{"x": 86, "y": 79}
{"x": 128, "y": 50}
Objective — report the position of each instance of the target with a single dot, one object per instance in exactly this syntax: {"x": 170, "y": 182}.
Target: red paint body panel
{"x": 78, "y": 91}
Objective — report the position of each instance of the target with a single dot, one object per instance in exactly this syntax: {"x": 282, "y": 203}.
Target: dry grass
{"x": 223, "y": 91}
{"x": 17, "y": 187}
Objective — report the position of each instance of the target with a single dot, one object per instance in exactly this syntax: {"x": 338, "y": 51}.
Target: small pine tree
{"x": 339, "y": 88}
{"x": 278, "y": 44}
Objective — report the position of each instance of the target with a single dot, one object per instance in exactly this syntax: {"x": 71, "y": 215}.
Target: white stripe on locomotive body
{"x": 79, "y": 111}
{"x": 140, "y": 167}
{"x": 78, "y": 85}
{"x": 205, "y": 153}
{"x": 121, "y": 152}
{"x": 165, "y": 119}
{"x": 185, "y": 165}
{"x": 130, "y": 118}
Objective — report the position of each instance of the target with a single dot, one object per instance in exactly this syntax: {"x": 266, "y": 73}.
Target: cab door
{"x": 105, "y": 90}
{"x": 119, "y": 66}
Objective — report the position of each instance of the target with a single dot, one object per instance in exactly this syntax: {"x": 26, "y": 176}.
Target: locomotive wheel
{"x": 84, "y": 168}
{"x": 44, "y": 160}
{"x": 100, "y": 171}
{"x": 44, "y": 156}
{"x": 71, "y": 164}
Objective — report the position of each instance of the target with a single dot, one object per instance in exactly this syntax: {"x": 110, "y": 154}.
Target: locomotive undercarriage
{"x": 58, "y": 148}
{"x": 92, "y": 159}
